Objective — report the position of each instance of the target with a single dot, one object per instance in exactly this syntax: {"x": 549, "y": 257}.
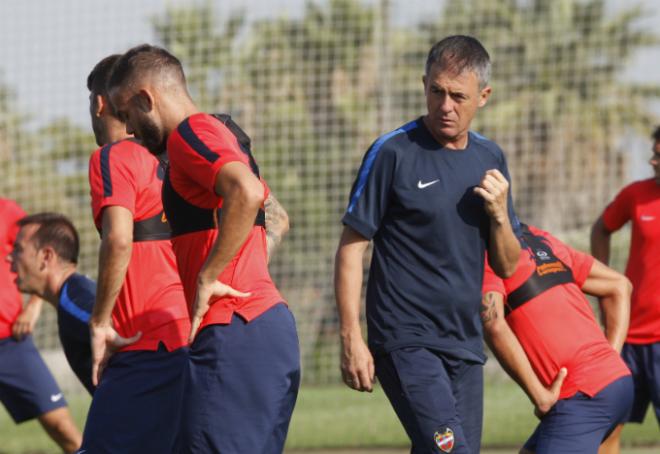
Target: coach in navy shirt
{"x": 433, "y": 196}
{"x": 44, "y": 258}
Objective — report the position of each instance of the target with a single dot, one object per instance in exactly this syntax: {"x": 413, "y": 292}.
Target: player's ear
{"x": 100, "y": 104}
{"x": 484, "y": 95}
{"x": 145, "y": 101}
{"x": 47, "y": 255}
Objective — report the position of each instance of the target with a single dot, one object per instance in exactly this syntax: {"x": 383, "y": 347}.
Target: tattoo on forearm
{"x": 275, "y": 215}
{"x": 488, "y": 310}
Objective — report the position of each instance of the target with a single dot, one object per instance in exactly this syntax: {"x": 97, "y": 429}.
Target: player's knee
{"x": 60, "y": 426}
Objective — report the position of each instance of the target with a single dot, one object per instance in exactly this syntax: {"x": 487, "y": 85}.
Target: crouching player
{"x": 543, "y": 331}
{"x": 45, "y": 258}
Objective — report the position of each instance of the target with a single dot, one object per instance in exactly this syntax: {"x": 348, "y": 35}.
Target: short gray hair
{"x": 460, "y": 53}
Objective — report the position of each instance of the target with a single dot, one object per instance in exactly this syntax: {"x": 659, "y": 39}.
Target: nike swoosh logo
{"x": 55, "y": 397}
{"x": 421, "y": 185}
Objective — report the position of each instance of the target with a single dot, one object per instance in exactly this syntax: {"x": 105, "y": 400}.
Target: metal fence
{"x": 314, "y": 83}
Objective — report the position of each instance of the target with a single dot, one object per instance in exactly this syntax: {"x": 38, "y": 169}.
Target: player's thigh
{"x": 242, "y": 385}
{"x": 27, "y": 388}
{"x": 420, "y": 390}
{"x": 140, "y": 394}
{"x": 579, "y": 424}
{"x": 562, "y": 430}
{"x": 639, "y": 360}
{"x": 654, "y": 377}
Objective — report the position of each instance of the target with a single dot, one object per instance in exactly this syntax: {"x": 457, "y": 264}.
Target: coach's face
{"x": 27, "y": 261}
{"x": 452, "y": 101}
{"x": 136, "y": 110}
{"x": 655, "y": 161}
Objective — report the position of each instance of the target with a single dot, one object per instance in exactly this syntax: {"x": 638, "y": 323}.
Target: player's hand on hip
{"x": 24, "y": 324}
{"x": 206, "y": 291}
{"x": 357, "y": 364}
{"x": 105, "y": 342}
{"x": 494, "y": 189}
{"x": 545, "y": 403}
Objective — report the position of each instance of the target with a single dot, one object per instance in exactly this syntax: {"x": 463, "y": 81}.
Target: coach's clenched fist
{"x": 504, "y": 247}
{"x": 494, "y": 189}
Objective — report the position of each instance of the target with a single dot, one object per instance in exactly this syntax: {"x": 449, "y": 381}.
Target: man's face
{"x": 136, "y": 110}
{"x": 27, "y": 261}
{"x": 452, "y": 101}
{"x": 655, "y": 161}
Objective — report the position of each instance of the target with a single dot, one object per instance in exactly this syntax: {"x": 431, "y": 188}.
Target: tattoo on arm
{"x": 488, "y": 310}
{"x": 276, "y": 223}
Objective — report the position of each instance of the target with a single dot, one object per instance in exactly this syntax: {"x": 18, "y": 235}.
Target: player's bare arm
{"x": 357, "y": 363}
{"x": 504, "y": 247}
{"x": 510, "y": 354}
{"x": 114, "y": 256}
{"x": 24, "y": 324}
{"x": 277, "y": 223}
{"x": 600, "y": 241}
{"x": 243, "y": 195}
{"x": 613, "y": 291}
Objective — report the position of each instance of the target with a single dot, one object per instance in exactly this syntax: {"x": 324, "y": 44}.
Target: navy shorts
{"x": 579, "y": 424}
{"x": 242, "y": 385}
{"x": 137, "y": 405}
{"x": 438, "y": 399}
{"x": 27, "y": 388}
{"x": 644, "y": 363}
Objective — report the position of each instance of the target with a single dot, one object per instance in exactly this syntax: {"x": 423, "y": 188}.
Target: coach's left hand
{"x": 494, "y": 189}
{"x": 205, "y": 291}
{"x": 105, "y": 342}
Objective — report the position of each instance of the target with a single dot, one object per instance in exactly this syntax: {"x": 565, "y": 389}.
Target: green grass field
{"x": 335, "y": 418}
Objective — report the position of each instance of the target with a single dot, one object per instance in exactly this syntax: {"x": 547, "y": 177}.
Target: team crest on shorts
{"x": 445, "y": 440}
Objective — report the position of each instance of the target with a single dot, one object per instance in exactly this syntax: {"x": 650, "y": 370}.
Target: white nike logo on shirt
{"x": 421, "y": 185}
{"x": 55, "y": 397}
{"x": 645, "y": 217}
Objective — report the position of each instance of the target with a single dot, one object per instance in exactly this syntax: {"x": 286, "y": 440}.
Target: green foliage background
{"x": 315, "y": 89}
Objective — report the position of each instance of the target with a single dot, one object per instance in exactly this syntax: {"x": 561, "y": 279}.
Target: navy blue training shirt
{"x": 415, "y": 200}
{"x": 73, "y": 312}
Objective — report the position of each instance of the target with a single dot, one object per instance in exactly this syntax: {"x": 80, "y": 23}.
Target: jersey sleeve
{"x": 492, "y": 282}
{"x": 617, "y": 213}
{"x": 579, "y": 262}
{"x": 112, "y": 179}
{"x": 370, "y": 194}
{"x": 204, "y": 147}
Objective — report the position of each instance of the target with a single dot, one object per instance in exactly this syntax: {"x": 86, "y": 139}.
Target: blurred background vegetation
{"x": 314, "y": 83}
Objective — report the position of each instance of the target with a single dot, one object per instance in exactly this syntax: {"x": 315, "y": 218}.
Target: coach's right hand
{"x": 357, "y": 363}
{"x": 105, "y": 342}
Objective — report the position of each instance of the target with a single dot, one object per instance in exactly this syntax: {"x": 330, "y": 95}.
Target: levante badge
{"x": 445, "y": 440}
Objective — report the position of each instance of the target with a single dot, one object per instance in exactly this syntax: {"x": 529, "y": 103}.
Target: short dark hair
{"x": 98, "y": 78}
{"x": 143, "y": 59}
{"x": 656, "y": 134}
{"x": 460, "y": 53}
{"x": 57, "y": 231}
